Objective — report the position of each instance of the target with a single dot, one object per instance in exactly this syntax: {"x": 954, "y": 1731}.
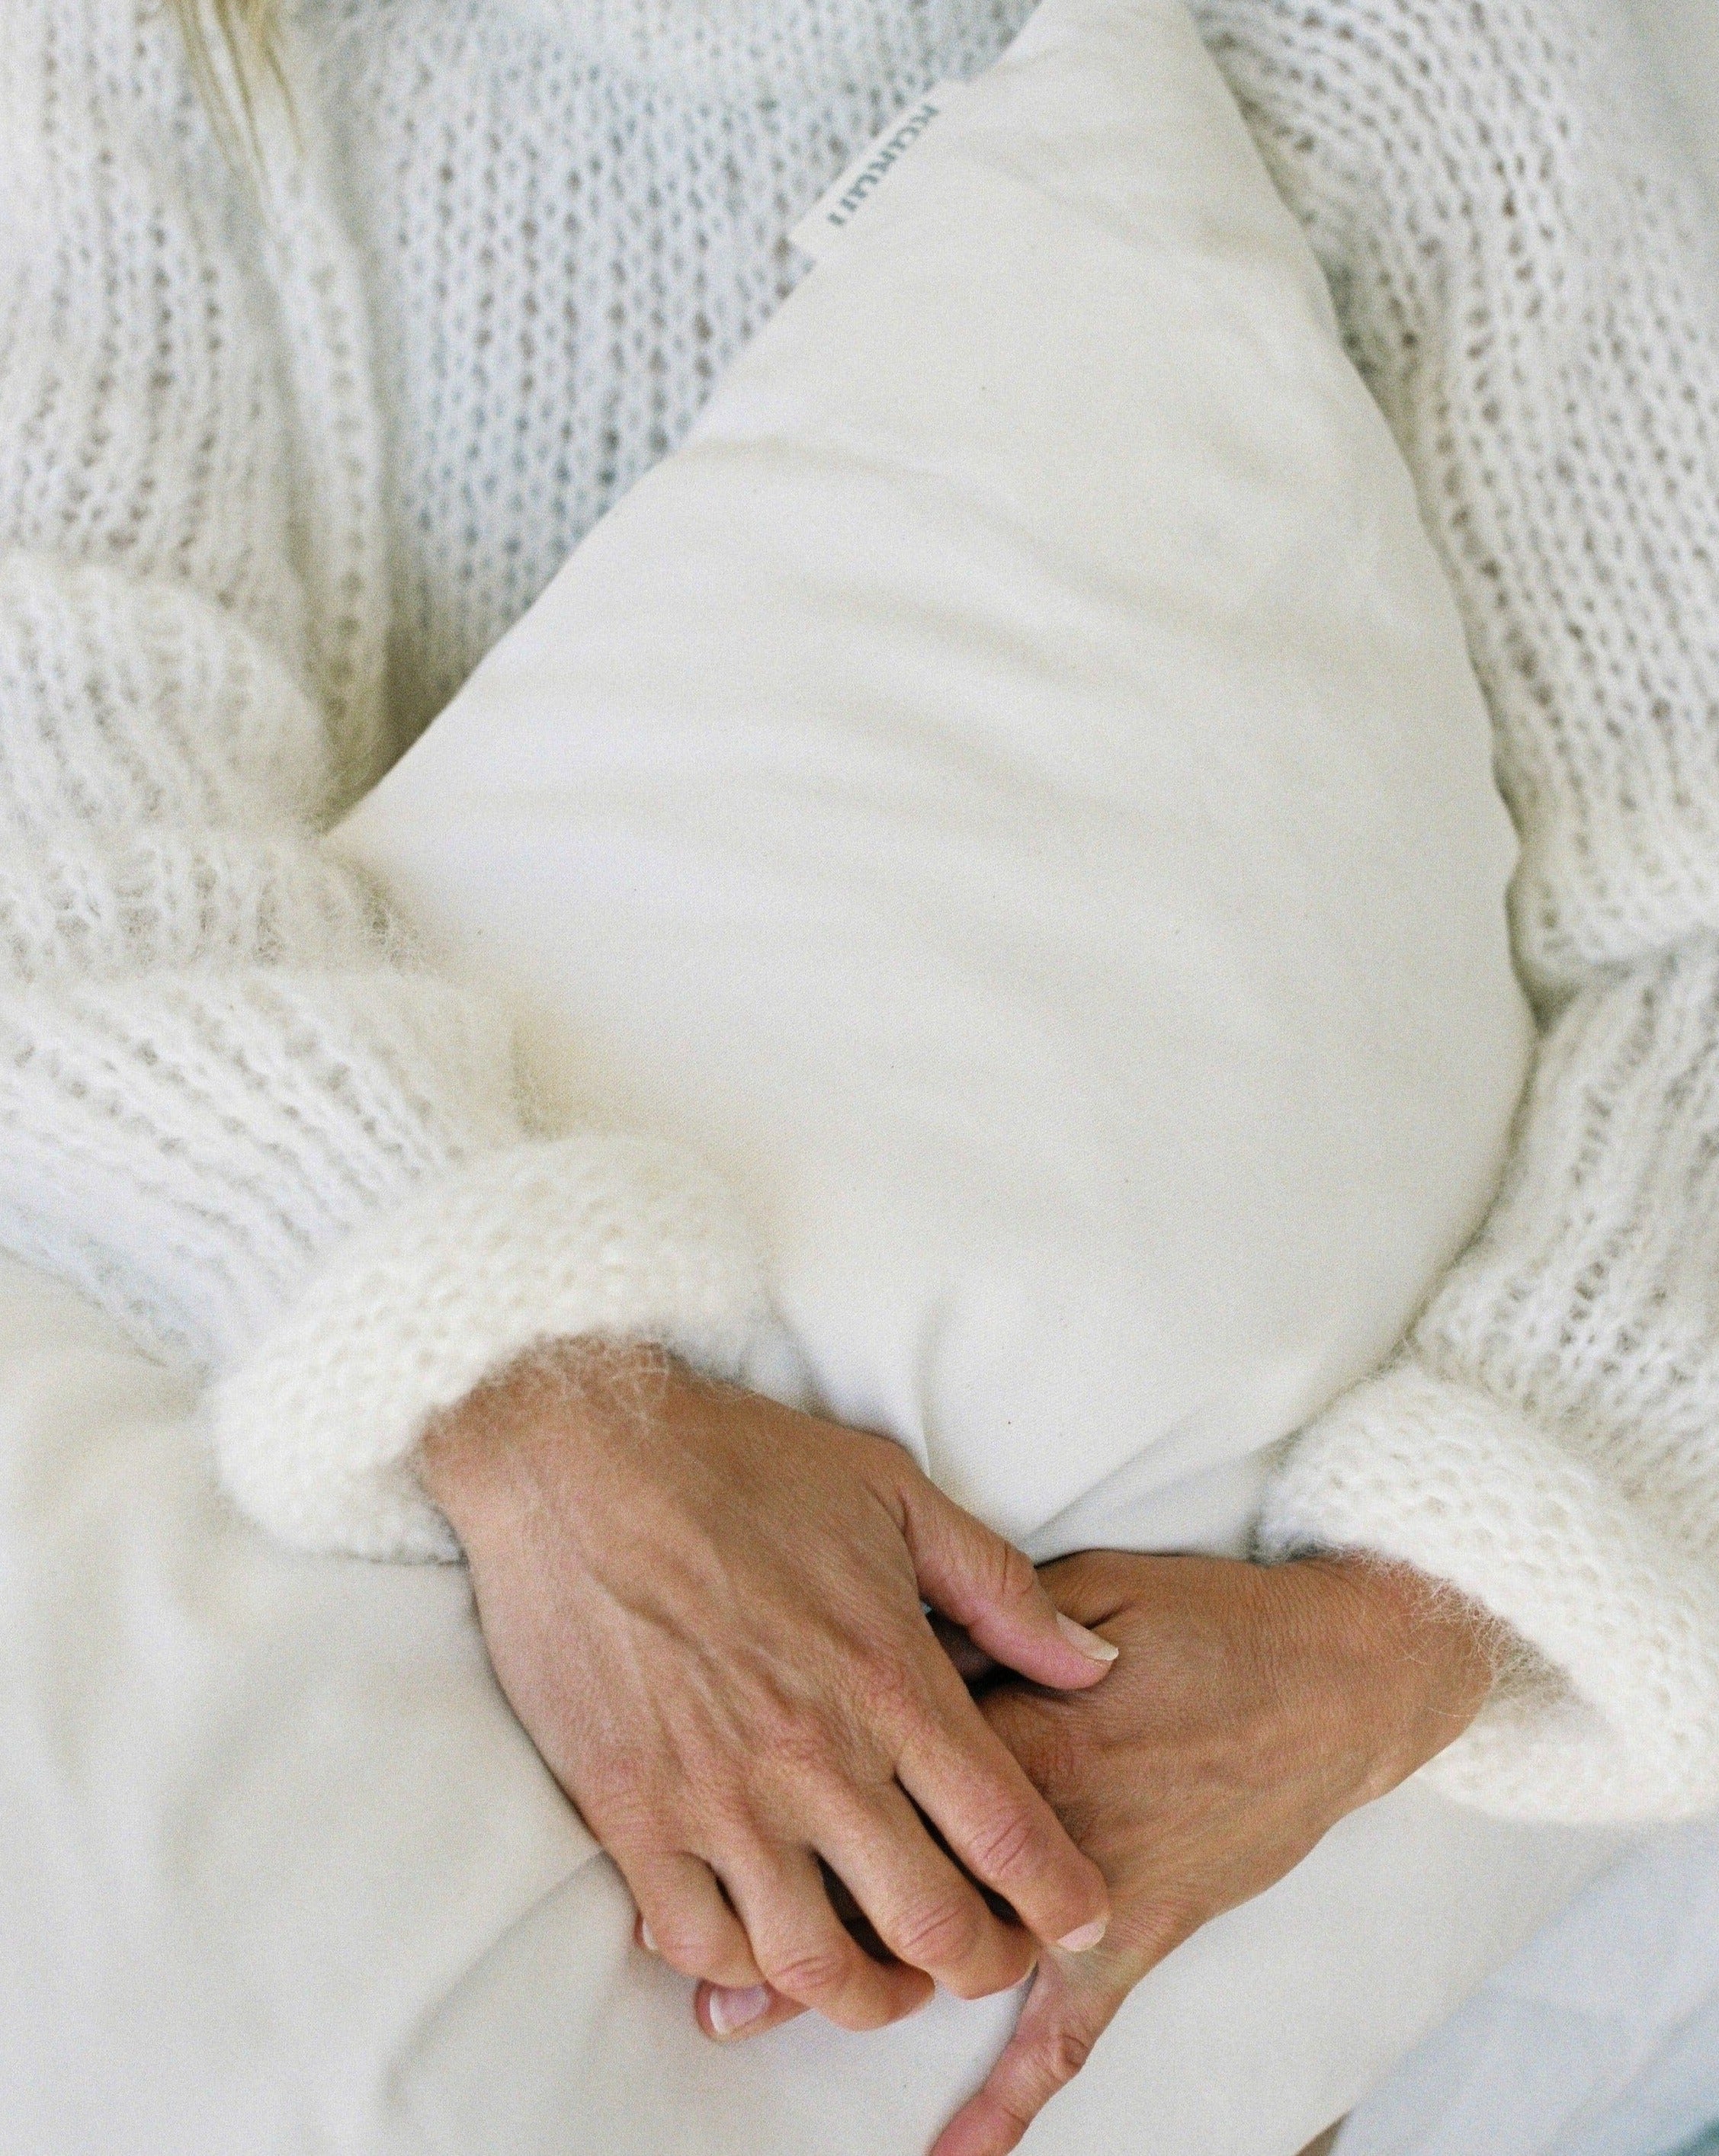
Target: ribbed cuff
{"x": 316, "y": 1432}
{"x": 1467, "y": 1490}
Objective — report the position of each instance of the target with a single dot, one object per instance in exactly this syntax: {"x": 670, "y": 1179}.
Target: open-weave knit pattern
{"x": 571, "y": 214}
{"x": 231, "y": 1109}
{"x": 270, "y": 484}
{"x": 1528, "y": 282}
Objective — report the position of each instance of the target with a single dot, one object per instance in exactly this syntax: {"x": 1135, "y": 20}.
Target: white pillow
{"x": 1021, "y": 703}
{"x": 280, "y": 1875}
{"x": 1011, "y": 792}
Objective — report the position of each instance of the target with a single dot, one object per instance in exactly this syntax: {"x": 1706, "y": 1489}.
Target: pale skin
{"x": 1251, "y": 1708}
{"x": 707, "y": 1611}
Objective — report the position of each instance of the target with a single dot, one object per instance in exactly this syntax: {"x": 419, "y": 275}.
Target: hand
{"x": 1250, "y": 1709}
{"x": 706, "y": 1610}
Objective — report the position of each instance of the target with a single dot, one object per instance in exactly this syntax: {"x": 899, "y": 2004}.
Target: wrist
{"x": 480, "y": 1458}
{"x": 1421, "y": 1659}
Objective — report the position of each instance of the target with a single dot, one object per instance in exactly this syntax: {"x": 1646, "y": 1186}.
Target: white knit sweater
{"x": 274, "y": 476}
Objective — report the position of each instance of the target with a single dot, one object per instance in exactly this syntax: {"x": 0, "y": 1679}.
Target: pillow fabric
{"x": 1011, "y": 791}
{"x": 1010, "y": 788}
{"x": 279, "y": 1873}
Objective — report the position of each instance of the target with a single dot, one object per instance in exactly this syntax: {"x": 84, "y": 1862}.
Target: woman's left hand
{"x": 1251, "y": 1707}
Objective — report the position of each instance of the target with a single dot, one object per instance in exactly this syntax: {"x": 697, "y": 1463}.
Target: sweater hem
{"x": 1624, "y": 1724}
{"x": 315, "y": 1431}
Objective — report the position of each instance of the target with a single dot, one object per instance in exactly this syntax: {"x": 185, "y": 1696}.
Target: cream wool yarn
{"x": 234, "y": 1110}
{"x": 271, "y": 486}
{"x": 1530, "y": 286}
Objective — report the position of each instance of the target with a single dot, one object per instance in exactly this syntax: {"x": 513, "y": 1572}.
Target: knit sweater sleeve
{"x": 1527, "y": 280}
{"x": 234, "y": 1109}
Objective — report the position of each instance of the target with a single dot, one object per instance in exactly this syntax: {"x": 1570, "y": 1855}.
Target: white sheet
{"x": 207, "y": 1823}
{"x": 1601, "y": 2038}
{"x": 182, "y": 1901}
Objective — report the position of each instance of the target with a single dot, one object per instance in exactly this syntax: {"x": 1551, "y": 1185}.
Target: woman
{"x": 288, "y": 439}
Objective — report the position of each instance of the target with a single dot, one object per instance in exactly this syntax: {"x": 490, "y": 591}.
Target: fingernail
{"x": 730, "y": 2011}
{"x": 1090, "y": 1645}
{"x": 647, "y": 1938}
{"x": 1081, "y": 1941}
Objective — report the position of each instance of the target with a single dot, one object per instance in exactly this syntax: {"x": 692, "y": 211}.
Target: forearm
{"x": 1545, "y": 1441}
{"x": 236, "y": 1110}
{"x": 1527, "y": 282}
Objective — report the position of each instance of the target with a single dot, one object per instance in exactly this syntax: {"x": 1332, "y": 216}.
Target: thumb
{"x": 1059, "y": 2024}
{"x": 988, "y": 1586}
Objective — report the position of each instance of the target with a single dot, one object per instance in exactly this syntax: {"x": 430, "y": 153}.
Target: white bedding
{"x": 210, "y": 1823}
{"x": 138, "y": 1695}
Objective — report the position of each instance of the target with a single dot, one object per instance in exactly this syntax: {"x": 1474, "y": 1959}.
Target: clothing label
{"x": 830, "y": 216}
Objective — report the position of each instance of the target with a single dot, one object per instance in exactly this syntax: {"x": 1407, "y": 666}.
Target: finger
{"x": 683, "y": 1917}
{"x": 751, "y": 2011}
{"x": 959, "y": 1772}
{"x": 1091, "y": 1585}
{"x": 1058, "y": 2026}
{"x": 804, "y": 1951}
{"x": 991, "y": 1589}
{"x": 1028, "y": 1724}
{"x": 921, "y": 1908}
{"x": 971, "y": 1662}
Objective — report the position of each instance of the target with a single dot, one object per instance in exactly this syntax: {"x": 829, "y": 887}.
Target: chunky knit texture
{"x": 273, "y": 476}
{"x": 233, "y": 1108}
{"x": 1527, "y": 280}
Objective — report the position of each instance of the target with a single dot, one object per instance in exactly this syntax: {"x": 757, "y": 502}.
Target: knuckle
{"x": 1065, "y": 2051}
{"x": 887, "y": 1686}
{"x": 800, "y": 1749}
{"x": 798, "y": 1752}
{"x": 936, "y": 1935}
{"x": 1003, "y": 1851}
{"x": 1056, "y": 1750}
{"x": 1034, "y": 2073}
{"x": 813, "y": 1976}
{"x": 1043, "y": 1741}
{"x": 772, "y": 1717}
{"x": 722, "y": 1815}
{"x": 801, "y": 1734}
{"x": 1016, "y": 1578}
{"x": 625, "y": 1807}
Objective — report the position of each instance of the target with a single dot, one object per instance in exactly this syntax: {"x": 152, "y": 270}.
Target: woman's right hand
{"x": 707, "y": 1610}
